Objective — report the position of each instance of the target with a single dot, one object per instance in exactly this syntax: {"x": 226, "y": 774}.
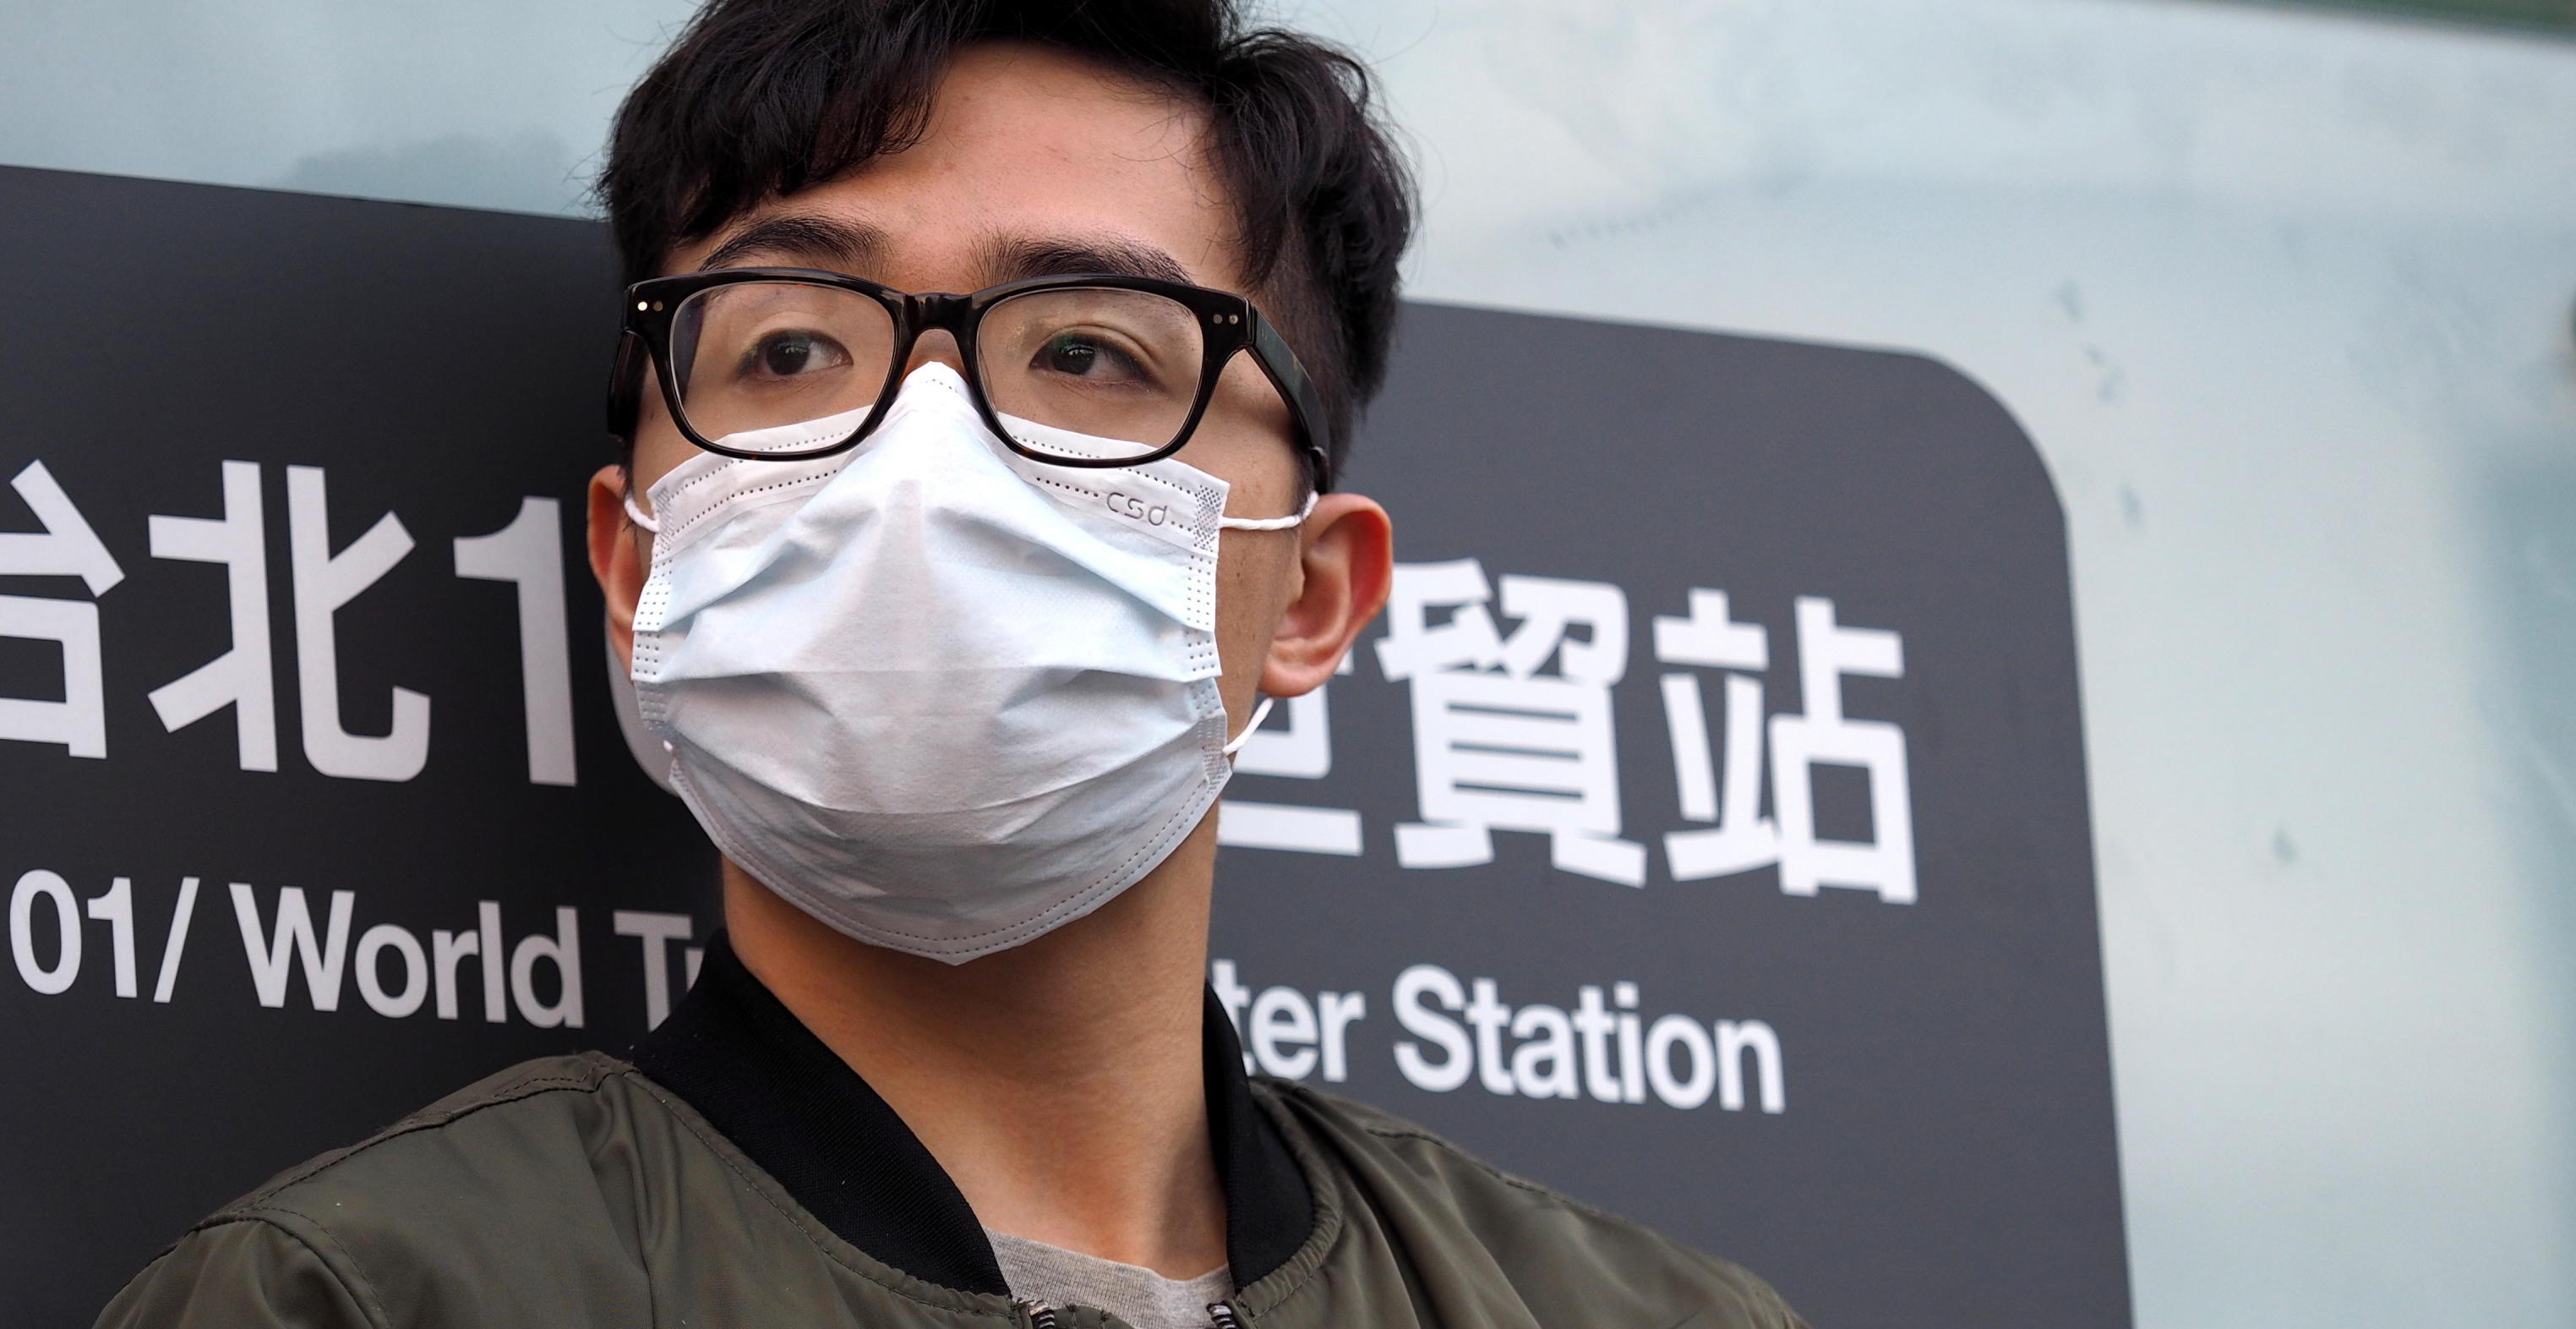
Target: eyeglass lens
{"x": 1083, "y": 373}
{"x": 781, "y": 367}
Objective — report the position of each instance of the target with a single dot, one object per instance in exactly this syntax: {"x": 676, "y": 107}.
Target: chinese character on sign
{"x": 1730, "y": 797}
{"x": 67, "y": 547}
{"x": 1499, "y": 745}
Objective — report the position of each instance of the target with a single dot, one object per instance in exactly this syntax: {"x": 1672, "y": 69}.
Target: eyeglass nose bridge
{"x": 938, "y": 311}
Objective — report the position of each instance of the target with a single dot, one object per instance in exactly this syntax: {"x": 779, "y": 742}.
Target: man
{"x": 950, "y": 610}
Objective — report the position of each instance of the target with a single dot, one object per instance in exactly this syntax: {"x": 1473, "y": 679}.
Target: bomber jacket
{"x": 736, "y": 1174}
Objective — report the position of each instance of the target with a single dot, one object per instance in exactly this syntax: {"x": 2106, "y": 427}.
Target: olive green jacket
{"x": 591, "y": 1191}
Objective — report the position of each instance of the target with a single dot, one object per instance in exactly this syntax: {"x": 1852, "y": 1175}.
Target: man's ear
{"x": 1347, "y": 562}
{"x": 620, "y": 553}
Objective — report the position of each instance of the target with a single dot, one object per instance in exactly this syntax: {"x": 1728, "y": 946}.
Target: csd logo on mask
{"x": 1135, "y": 509}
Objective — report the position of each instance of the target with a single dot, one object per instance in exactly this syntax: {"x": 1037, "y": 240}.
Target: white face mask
{"x": 940, "y": 696}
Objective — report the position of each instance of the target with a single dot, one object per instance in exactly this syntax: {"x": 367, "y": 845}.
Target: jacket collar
{"x": 738, "y": 1056}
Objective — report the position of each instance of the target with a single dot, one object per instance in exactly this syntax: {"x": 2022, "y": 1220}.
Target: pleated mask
{"x": 941, "y": 696}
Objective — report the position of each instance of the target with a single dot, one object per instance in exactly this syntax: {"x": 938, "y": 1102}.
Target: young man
{"x": 950, "y": 610}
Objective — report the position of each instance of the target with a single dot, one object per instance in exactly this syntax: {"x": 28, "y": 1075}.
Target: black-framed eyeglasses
{"x": 1091, "y": 370}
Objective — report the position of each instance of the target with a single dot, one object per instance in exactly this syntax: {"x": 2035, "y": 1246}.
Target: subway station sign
{"x": 1702, "y": 831}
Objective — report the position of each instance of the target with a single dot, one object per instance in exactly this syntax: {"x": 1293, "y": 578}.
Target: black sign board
{"x": 1703, "y": 831}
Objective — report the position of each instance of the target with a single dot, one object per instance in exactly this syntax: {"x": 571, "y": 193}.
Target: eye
{"x": 793, "y": 353}
{"x": 1084, "y": 355}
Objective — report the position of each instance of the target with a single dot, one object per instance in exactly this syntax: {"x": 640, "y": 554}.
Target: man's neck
{"x": 1059, "y": 1083}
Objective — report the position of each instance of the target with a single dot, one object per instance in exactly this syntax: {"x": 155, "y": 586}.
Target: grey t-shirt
{"x": 1059, "y": 1277}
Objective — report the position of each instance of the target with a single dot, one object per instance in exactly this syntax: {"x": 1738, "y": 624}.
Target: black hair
{"x": 758, "y": 99}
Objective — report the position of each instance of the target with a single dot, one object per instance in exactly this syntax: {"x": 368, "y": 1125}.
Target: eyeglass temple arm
{"x": 626, "y": 386}
{"x": 1279, "y": 364}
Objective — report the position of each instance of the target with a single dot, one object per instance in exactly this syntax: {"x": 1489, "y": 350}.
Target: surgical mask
{"x": 941, "y": 696}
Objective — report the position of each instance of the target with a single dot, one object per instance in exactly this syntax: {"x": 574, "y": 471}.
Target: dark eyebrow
{"x": 1014, "y": 258}
{"x": 833, "y": 243}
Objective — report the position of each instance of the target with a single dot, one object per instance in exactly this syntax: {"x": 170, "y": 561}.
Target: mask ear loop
{"x": 643, "y": 520}
{"x": 1260, "y": 712}
{"x": 1271, "y": 523}
{"x": 1261, "y": 709}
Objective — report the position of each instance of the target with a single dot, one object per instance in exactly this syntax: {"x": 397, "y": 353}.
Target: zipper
{"x": 1042, "y": 1316}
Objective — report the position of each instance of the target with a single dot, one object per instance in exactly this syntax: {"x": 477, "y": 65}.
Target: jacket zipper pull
{"x": 1040, "y": 1315}
{"x": 1221, "y": 1316}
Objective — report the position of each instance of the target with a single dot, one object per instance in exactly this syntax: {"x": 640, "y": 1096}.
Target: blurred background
{"x": 2284, "y": 296}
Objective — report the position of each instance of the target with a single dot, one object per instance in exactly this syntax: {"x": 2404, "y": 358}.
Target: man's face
{"x": 1036, "y": 162}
